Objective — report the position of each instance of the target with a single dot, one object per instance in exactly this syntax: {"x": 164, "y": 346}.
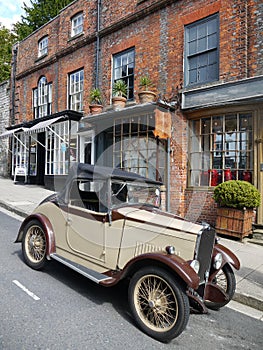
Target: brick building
{"x": 205, "y": 59}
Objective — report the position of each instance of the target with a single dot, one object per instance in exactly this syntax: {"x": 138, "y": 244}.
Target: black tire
{"x": 225, "y": 279}
{"x": 158, "y": 303}
{"x": 34, "y": 245}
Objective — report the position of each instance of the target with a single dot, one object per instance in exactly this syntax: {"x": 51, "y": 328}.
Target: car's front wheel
{"x": 158, "y": 303}
{"x": 225, "y": 279}
{"x": 34, "y": 245}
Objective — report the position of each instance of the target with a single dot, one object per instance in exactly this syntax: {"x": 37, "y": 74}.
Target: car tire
{"x": 225, "y": 278}
{"x": 34, "y": 245}
{"x": 158, "y": 303}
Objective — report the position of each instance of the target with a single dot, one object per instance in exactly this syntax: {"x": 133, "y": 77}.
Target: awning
{"x": 11, "y": 132}
{"x": 42, "y": 126}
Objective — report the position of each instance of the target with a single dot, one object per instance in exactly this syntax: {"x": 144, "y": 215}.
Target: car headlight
{"x": 195, "y": 265}
{"x": 170, "y": 249}
{"x": 218, "y": 259}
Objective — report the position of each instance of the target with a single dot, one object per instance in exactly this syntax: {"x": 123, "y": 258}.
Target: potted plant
{"x": 146, "y": 95}
{"x": 95, "y": 100}
{"x": 236, "y": 201}
{"x": 119, "y": 91}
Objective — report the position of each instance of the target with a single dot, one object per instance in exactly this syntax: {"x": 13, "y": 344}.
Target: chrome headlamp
{"x": 195, "y": 265}
{"x": 218, "y": 260}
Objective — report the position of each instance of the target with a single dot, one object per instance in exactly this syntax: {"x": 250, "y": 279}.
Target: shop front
{"x": 134, "y": 139}
{"x": 43, "y": 150}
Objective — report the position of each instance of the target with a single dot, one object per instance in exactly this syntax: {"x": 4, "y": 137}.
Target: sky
{"x": 11, "y": 11}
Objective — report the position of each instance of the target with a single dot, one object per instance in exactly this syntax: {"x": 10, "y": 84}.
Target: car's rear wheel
{"x": 225, "y": 279}
{"x": 34, "y": 245}
{"x": 158, "y": 303}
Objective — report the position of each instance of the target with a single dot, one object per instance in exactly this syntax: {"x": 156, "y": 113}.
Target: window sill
{"x": 200, "y": 188}
{"x": 75, "y": 36}
{"x": 41, "y": 57}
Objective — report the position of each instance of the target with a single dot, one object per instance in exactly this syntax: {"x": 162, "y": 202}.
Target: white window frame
{"x": 123, "y": 68}
{"x": 76, "y": 86}
{"x": 42, "y": 99}
{"x": 43, "y": 47}
{"x": 77, "y": 24}
{"x": 20, "y": 148}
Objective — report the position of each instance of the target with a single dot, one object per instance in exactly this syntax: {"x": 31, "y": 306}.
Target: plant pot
{"x": 147, "y": 96}
{"x": 234, "y": 222}
{"x": 95, "y": 109}
{"x": 118, "y": 102}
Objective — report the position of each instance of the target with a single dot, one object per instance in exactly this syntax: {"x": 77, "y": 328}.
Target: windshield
{"x": 135, "y": 193}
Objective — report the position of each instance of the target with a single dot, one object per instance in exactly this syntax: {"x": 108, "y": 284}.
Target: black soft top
{"x": 96, "y": 172}
{"x": 89, "y": 172}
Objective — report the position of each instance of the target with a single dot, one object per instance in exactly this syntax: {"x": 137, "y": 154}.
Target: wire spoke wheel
{"x": 225, "y": 279}
{"x": 158, "y": 303}
{"x": 34, "y": 245}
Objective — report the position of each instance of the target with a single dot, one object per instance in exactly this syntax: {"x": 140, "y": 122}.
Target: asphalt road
{"x": 59, "y": 309}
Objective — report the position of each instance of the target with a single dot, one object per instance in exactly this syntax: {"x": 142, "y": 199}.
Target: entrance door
{"x": 41, "y": 156}
{"x": 86, "y": 151}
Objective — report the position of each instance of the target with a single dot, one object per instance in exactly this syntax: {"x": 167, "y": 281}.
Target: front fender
{"x": 172, "y": 262}
{"x": 50, "y": 237}
{"x": 228, "y": 256}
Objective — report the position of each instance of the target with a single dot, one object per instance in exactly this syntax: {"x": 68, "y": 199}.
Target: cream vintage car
{"x": 106, "y": 224}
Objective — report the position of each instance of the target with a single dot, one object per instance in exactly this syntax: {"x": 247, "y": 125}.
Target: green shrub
{"x": 237, "y": 194}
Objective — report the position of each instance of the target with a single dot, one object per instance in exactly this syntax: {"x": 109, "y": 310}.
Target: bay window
{"x": 221, "y": 149}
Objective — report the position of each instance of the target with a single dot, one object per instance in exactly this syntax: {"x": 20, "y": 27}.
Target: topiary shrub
{"x": 237, "y": 194}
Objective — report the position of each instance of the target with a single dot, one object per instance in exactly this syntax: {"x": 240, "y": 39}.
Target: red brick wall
{"x": 158, "y": 38}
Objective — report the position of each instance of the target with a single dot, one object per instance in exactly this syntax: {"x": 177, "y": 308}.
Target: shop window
{"x": 77, "y": 24}
{"x": 20, "y": 152}
{"x": 43, "y": 47}
{"x": 42, "y": 99}
{"x": 76, "y": 82}
{"x": 136, "y": 150}
{"x": 221, "y": 149}
{"x": 61, "y": 147}
{"x": 201, "y": 51}
{"x": 123, "y": 68}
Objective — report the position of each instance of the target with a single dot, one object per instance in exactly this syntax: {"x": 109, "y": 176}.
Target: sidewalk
{"x": 22, "y": 199}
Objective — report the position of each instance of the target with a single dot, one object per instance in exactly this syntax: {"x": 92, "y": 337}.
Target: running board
{"x": 90, "y": 274}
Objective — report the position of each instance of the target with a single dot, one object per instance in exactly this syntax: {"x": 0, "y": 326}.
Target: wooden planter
{"x": 234, "y": 222}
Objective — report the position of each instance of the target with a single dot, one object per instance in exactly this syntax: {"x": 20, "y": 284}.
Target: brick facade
{"x": 156, "y": 30}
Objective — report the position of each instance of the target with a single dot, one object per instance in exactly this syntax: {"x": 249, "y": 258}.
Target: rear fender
{"x": 228, "y": 256}
{"x": 173, "y": 263}
{"x": 50, "y": 237}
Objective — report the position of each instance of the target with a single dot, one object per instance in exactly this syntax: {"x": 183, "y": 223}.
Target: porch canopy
{"x": 41, "y": 124}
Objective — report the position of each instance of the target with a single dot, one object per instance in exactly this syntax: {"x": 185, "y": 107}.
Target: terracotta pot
{"x": 146, "y": 96}
{"x": 118, "y": 102}
{"x": 95, "y": 109}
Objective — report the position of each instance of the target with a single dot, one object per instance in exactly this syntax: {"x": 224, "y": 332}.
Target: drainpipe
{"x": 97, "y": 44}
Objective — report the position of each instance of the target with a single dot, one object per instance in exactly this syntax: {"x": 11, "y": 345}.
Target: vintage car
{"x": 106, "y": 224}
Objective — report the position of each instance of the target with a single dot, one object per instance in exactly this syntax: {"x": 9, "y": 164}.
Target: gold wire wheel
{"x": 221, "y": 280}
{"x": 35, "y": 244}
{"x": 156, "y": 303}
